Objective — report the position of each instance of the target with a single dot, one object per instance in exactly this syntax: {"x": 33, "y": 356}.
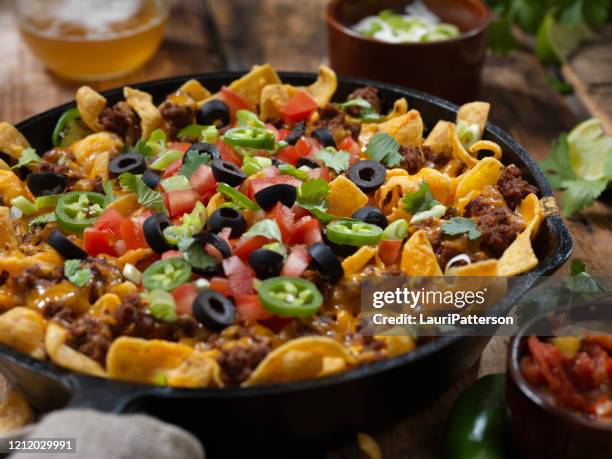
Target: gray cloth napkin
{"x": 108, "y": 436}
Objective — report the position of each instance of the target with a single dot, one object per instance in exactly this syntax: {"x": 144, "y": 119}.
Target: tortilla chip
{"x": 344, "y": 197}
{"x": 273, "y": 98}
{"x": 519, "y": 257}
{"x": 214, "y": 203}
{"x": 195, "y": 90}
{"x": 301, "y": 358}
{"x": 418, "y": 257}
{"x": 457, "y": 150}
{"x": 126, "y": 205}
{"x": 358, "y": 260}
{"x": 465, "y": 200}
{"x": 67, "y": 357}
{"x": 400, "y": 107}
{"x": 388, "y": 195}
{"x": 142, "y": 103}
{"x": 475, "y": 113}
{"x": 87, "y": 150}
{"x": 124, "y": 289}
{"x": 8, "y": 242}
{"x": 397, "y": 344}
{"x": 105, "y": 305}
{"x": 531, "y": 210}
{"x": 133, "y": 256}
{"x": 24, "y": 329}
{"x": 484, "y": 268}
{"x": 486, "y": 145}
{"x": 12, "y": 142}
{"x": 453, "y": 167}
{"x": 14, "y": 412}
{"x": 197, "y": 370}
{"x": 441, "y": 186}
{"x": 141, "y": 360}
{"x": 90, "y": 104}
{"x": 486, "y": 172}
{"x": 323, "y": 89}
{"x": 438, "y": 140}
{"x": 17, "y": 262}
{"x": 100, "y": 166}
{"x": 249, "y": 87}
{"x": 11, "y": 187}
{"x": 369, "y": 446}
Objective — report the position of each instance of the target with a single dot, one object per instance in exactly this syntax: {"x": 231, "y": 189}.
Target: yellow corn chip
{"x": 197, "y": 370}
{"x": 100, "y": 166}
{"x": 11, "y": 187}
{"x": 486, "y": 145}
{"x": 273, "y": 98}
{"x": 88, "y": 149}
{"x": 17, "y": 262}
{"x": 126, "y": 205}
{"x": 400, "y": 107}
{"x": 438, "y": 140}
{"x": 481, "y": 269}
{"x": 24, "y": 329}
{"x": 195, "y": 90}
{"x": 344, "y": 197}
{"x": 105, "y": 305}
{"x": 441, "y": 186}
{"x": 133, "y": 256}
{"x": 457, "y": 150}
{"x": 65, "y": 356}
{"x": 8, "y": 241}
{"x": 90, "y": 104}
{"x": 531, "y": 210}
{"x": 475, "y": 113}
{"x": 249, "y": 87}
{"x": 397, "y": 344}
{"x": 389, "y": 194}
{"x": 12, "y": 142}
{"x": 453, "y": 167}
{"x": 418, "y": 257}
{"x": 486, "y": 172}
{"x": 214, "y": 203}
{"x": 358, "y": 260}
{"x": 369, "y": 446}
{"x": 519, "y": 257}
{"x": 142, "y": 103}
{"x": 14, "y": 412}
{"x": 323, "y": 89}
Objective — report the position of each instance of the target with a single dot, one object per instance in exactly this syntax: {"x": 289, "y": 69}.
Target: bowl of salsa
{"x": 435, "y": 46}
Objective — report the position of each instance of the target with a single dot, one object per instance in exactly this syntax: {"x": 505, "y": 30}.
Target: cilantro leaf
{"x": 108, "y": 190}
{"x": 290, "y": 169}
{"x": 27, "y": 158}
{"x": 43, "y": 219}
{"x": 313, "y": 194}
{"x": 581, "y": 193}
{"x": 461, "y": 225}
{"x": 147, "y": 197}
{"x": 193, "y": 160}
{"x": 420, "y": 200}
{"x": 336, "y": 160}
{"x": 384, "y": 149}
{"x": 556, "y": 165}
{"x": 197, "y": 258}
{"x": 367, "y": 112}
{"x": 267, "y": 228}
{"x": 75, "y": 273}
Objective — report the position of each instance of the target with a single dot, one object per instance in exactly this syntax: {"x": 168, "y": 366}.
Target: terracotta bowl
{"x": 450, "y": 69}
{"x": 539, "y": 429}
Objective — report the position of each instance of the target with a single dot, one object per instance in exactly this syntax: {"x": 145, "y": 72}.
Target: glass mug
{"x": 89, "y": 40}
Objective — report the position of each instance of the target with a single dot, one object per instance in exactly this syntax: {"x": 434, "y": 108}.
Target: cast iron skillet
{"x": 255, "y": 420}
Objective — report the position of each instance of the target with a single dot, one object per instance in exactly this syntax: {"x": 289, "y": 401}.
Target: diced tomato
{"x": 120, "y": 247}
{"x": 297, "y": 262}
{"x": 181, "y": 201}
{"x": 299, "y": 211}
{"x": 292, "y": 153}
{"x": 202, "y": 180}
{"x": 249, "y": 307}
{"x": 319, "y": 172}
{"x": 220, "y": 285}
{"x": 132, "y": 232}
{"x": 233, "y": 100}
{"x": 180, "y": 146}
{"x": 389, "y": 251}
{"x": 97, "y": 241}
{"x": 282, "y": 133}
{"x": 285, "y": 219}
{"x": 110, "y": 221}
{"x": 244, "y": 247}
{"x": 254, "y": 185}
{"x": 307, "y": 231}
{"x": 270, "y": 171}
{"x": 173, "y": 168}
{"x": 184, "y": 295}
{"x": 239, "y": 276}
{"x": 227, "y": 153}
{"x": 350, "y": 145}
{"x": 299, "y": 107}
{"x": 171, "y": 254}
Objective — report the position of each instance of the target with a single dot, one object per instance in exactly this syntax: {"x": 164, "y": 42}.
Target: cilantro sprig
{"x": 147, "y": 197}
{"x": 28, "y": 157}
{"x": 420, "y": 200}
{"x": 460, "y": 225}
{"x": 367, "y": 112}
{"x": 312, "y": 196}
{"x": 336, "y": 160}
{"x": 76, "y": 273}
{"x": 384, "y": 149}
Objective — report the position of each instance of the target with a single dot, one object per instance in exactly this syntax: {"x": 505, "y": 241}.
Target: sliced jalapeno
{"x": 69, "y": 129}
{"x": 236, "y": 196}
{"x": 250, "y": 137}
{"x": 290, "y": 296}
{"x": 77, "y": 210}
{"x": 353, "y": 232}
{"x": 166, "y": 274}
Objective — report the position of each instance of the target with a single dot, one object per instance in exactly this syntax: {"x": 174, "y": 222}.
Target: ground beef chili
{"x": 91, "y": 337}
{"x": 176, "y": 117}
{"x": 436, "y": 159}
{"x": 238, "y": 361}
{"x": 103, "y": 275}
{"x": 579, "y": 380}
{"x": 513, "y": 187}
{"x": 413, "y": 159}
{"x": 95, "y": 184}
{"x": 35, "y": 276}
{"x": 121, "y": 120}
{"x": 334, "y": 119}
{"x": 58, "y": 312}
{"x": 71, "y": 175}
{"x": 498, "y": 228}
{"x": 370, "y": 95}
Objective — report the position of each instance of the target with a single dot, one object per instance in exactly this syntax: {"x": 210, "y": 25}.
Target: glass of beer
{"x": 91, "y": 40}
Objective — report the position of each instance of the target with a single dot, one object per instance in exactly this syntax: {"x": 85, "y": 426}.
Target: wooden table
{"x": 291, "y": 35}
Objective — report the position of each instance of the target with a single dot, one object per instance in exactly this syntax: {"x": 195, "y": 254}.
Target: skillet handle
{"x": 105, "y": 395}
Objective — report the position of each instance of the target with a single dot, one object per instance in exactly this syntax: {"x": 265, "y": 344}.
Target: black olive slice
{"x": 266, "y": 263}
{"x": 281, "y": 192}
{"x": 214, "y": 310}
{"x": 325, "y": 261}
{"x": 203, "y": 148}
{"x": 298, "y": 131}
{"x": 303, "y": 161}
{"x": 47, "y": 183}
{"x": 227, "y": 172}
{"x": 227, "y": 217}
{"x": 277, "y": 162}
{"x": 65, "y": 247}
{"x": 207, "y": 237}
{"x": 325, "y": 137}
{"x": 153, "y": 228}
{"x": 371, "y": 215}
{"x": 127, "y": 162}
{"x": 367, "y": 175}
{"x": 214, "y": 112}
{"x": 151, "y": 179}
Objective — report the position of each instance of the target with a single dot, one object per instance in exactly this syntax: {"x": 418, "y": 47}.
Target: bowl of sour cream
{"x": 435, "y": 46}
